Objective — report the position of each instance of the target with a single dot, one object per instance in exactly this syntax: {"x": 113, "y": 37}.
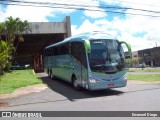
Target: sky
{"x": 141, "y": 31}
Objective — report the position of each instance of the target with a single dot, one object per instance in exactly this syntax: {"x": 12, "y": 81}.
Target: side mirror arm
{"x": 87, "y": 46}
{"x": 128, "y": 46}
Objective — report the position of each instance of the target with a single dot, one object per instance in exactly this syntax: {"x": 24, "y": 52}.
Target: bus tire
{"x": 48, "y": 73}
{"x": 51, "y": 74}
{"x": 74, "y": 83}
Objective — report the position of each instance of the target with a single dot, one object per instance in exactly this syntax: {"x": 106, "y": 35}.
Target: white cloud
{"x": 39, "y": 14}
{"x": 74, "y": 30}
{"x": 35, "y": 14}
{"x": 32, "y": 14}
{"x": 95, "y": 11}
{"x": 95, "y": 14}
{"x": 85, "y": 27}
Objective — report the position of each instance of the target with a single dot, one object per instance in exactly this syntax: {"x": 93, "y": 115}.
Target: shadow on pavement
{"x": 66, "y": 89}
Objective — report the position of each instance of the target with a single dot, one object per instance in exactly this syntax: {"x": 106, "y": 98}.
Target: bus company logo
{"x": 21, "y": 114}
{"x": 6, "y": 114}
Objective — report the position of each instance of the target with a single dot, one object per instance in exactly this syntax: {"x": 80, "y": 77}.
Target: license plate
{"x": 111, "y": 85}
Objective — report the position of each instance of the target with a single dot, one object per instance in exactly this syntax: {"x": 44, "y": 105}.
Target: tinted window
{"x": 57, "y": 50}
{"x": 63, "y": 49}
{"x": 78, "y": 52}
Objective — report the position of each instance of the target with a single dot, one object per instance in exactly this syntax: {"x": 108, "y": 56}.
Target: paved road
{"x": 60, "y": 96}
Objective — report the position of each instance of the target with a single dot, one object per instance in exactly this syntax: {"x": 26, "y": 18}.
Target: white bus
{"x": 93, "y": 61}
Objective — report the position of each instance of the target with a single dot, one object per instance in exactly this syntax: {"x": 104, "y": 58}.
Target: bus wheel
{"x": 48, "y": 72}
{"x": 51, "y": 74}
{"x": 75, "y": 83}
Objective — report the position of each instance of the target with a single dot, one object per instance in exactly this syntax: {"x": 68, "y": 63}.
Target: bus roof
{"x": 84, "y": 36}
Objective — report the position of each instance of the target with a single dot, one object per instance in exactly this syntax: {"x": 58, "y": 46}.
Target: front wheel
{"x": 75, "y": 83}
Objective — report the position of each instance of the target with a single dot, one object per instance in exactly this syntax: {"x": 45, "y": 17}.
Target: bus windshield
{"x": 106, "y": 56}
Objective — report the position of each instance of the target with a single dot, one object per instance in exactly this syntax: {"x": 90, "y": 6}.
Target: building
{"x": 135, "y": 54}
{"x": 40, "y": 35}
{"x": 145, "y": 57}
{"x": 149, "y": 57}
{"x": 155, "y": 56}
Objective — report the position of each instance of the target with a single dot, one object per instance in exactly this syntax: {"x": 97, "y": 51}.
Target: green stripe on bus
{"x": 128, "y": 46}
{"x": 87, "y": 46}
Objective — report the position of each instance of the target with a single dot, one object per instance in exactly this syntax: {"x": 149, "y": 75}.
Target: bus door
{"x": 79, "y": 61}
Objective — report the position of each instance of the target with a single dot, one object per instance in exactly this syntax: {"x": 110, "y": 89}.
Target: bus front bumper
{"x": 107, "y": 84}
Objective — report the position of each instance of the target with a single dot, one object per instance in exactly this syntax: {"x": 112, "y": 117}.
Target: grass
{"x": 144, "y": 70}
{"x": 16, "y": 79}
{"x": 146, "y": 78}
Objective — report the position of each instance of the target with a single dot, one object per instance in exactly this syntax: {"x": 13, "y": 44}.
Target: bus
{"x": 93, "y": 60}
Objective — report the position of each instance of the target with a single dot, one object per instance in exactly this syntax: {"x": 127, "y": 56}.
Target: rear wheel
{"x": 51, "y": 74}
{"x": 75, "y": 83}
{"x": 48, "y": 72}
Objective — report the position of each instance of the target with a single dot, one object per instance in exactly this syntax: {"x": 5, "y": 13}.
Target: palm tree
{"x": 14, "y": 29}
{"x": 21, "y": 27}
{"x": 11, "y": 29}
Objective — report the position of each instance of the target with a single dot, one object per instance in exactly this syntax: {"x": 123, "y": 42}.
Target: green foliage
{"x": 3, "y": 55}
{"x": 129, "y": 61}
{"x": 14, "y": 28}
{"x": 5, "y": 50}
{"x": 11, "y": 29}
{"x": 132, "y": 62}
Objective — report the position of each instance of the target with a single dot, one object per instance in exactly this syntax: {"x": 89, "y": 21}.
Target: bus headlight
{"x": 92, "y": 80}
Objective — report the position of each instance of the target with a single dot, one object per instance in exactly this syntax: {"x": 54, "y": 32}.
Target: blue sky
{"x": 140, "y": 31}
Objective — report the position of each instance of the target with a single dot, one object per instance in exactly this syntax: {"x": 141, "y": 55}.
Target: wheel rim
{"x": 75, "y": 83}
{"x": 51, "y": 75}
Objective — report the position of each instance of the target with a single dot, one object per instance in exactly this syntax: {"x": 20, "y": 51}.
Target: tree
{"x": 10, "y": 30}
{"x": 132, "y": 62}
{"x": 129, "y": 62}
{"x": 5, "y": 49}
{"x": 13, "y": 28}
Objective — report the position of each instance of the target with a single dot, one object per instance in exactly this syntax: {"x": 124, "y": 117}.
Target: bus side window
{"x": 79, "y": 53}
{"x": 52, "y": 51}
{"x": 49, "y": 51}
{"x": 55, "y": 50}
{"x": 45, "y": 52}
{"x": 61, "y": 50}
{"x": 65, "y": 49}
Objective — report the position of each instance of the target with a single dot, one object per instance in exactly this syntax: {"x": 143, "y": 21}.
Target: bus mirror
{"x": 128, "y": 46}
{"x": 87, "y": 46}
